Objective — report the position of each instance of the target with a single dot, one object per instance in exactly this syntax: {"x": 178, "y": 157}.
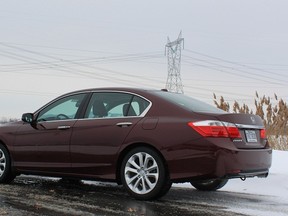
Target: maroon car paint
{"x": 95, "y": 144}
{"x": 92, "y": 148}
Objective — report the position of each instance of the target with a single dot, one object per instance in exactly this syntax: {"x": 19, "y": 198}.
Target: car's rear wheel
{"x": 6, "y": 175}
{"x": 144, "y": 175}
{"x": 209, "y": 185}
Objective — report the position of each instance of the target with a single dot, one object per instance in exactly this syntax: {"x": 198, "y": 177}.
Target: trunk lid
{"x": 249, "y": 126}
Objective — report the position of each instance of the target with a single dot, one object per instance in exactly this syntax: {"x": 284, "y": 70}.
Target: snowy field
{"x": 274, "y": 187}
{"x": 276, "y": 184}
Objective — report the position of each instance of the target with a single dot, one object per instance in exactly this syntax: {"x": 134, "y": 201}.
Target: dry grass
{"x": 275, "y": 117}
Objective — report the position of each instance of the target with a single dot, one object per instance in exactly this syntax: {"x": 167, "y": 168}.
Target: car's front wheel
{"x": 6, "y": 175}
{"x": 209, "y": 185}
{"x": 143, "y": 174}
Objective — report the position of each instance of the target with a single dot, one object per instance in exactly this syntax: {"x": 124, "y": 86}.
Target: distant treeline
{"x": 5, "y": 120}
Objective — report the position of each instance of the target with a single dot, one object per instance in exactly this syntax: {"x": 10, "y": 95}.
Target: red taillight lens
{"x": 263, "y": 134}
{"x": 210, "y": 128}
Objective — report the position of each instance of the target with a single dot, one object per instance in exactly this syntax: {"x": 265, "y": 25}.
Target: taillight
{"x": 263, "y": 134}
{"x": 211, "y": 128}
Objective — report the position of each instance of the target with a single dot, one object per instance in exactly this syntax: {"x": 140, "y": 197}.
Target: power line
{"x": 235, "y": 72}
{"x": 79, "y": 71}
{"x": 238, "y": 64}
{"x": 68, "y": 66}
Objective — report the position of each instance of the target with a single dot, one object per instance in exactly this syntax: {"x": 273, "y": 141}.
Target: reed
{"x": 274, "y": 115}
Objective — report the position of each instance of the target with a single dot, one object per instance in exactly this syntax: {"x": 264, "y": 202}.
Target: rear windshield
{"x": 189, "y": 103}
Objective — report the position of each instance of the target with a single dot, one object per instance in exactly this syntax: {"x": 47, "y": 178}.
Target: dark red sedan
{"x": 143, "y": 139}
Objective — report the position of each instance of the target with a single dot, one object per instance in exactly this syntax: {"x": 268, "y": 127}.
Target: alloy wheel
{"x": 141, "y": 173}
{"x": 2, "y": 162}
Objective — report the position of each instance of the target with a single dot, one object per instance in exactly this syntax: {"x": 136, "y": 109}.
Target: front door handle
{"x": 124, "y": 124}
{"x": 64, "y": 127}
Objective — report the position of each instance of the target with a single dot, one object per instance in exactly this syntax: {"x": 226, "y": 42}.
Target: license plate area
{"x": 251, "y": 136}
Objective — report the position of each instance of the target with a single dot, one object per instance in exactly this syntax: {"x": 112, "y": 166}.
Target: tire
{"x": 144, "y": 175}
{"x": 209, "y": 185}
{"x": 6, "y": 175}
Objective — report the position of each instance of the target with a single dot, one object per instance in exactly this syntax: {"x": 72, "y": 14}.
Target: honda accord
{"x": 143, "y": 139}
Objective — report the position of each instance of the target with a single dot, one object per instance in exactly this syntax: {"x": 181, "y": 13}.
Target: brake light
{"x": 211, "y": 128}
{"x": 263, "y": 134}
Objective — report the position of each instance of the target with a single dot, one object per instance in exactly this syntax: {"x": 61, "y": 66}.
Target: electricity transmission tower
{"x": 173, "y": 52}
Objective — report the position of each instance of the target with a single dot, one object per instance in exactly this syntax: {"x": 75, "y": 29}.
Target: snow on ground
{"x": 276, "y": 184}
{"x": 274, "y": 187}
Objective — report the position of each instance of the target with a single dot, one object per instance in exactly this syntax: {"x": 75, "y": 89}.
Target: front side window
{"x": 65, "y": 108}
{"x": 115, "y": 105}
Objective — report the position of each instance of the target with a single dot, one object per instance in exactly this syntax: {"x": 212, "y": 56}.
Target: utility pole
{"x": 173, "y": 52}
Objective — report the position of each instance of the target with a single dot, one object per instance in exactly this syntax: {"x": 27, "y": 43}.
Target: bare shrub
{"x": 275, "y": 117}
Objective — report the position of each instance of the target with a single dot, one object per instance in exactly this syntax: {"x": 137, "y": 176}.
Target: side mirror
{"x": 28, "y": 117}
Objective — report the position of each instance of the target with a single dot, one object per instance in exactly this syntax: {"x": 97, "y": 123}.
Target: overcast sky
{"x": 231, "y": 48}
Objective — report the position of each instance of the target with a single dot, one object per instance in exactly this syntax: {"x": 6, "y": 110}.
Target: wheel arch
{"x": 10, "y": 156}
{"x": 5, "y": 146}
{"x": 129, "y": 148}
{"x": 12, "y": 171}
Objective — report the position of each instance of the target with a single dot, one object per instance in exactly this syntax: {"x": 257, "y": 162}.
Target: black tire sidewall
{"x": 213, "y": 186}
{"x": 5, "y": 178}
{"x": 162, "y": 180}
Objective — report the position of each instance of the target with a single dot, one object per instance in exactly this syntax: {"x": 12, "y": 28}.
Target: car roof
{"x": 122, "y": 89}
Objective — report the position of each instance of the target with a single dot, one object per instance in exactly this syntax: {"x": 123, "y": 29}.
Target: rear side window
{"x": 115, "y": 105}
{"x": 189, "y": 103}
{"x": 138, "y": 106}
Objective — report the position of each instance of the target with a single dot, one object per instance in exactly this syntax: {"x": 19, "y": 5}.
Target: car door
{"x": 96, "y": 139}
{"x": 44, "y": 144}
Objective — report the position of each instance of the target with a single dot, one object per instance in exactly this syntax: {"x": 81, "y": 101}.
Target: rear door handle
{"x": 64, "y": 127}
{"x": 124, "y": 124}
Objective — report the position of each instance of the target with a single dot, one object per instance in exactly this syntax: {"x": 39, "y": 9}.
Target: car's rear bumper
{"x": 221, "y": 163}
{"x": 248, "y": 174}
{"x": 243, "y": 163}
